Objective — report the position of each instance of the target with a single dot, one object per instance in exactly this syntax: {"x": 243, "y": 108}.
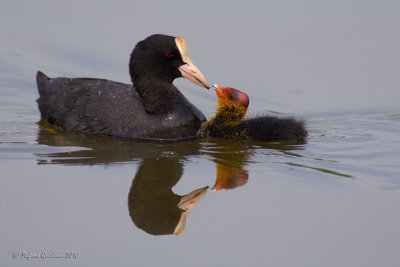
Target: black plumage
{"x": 228, "y": 122}
{"x": 151, "y": 108}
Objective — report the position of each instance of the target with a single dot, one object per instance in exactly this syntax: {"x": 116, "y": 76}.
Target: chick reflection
{"x": 229, "y": 175}
{"x": 153, "y": 206}
{"x": 231, "y": 159}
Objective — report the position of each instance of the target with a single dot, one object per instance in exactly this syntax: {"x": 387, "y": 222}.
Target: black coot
{"x": 153, "y": 108}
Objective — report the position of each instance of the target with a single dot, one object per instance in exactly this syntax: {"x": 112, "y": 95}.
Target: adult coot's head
{"x": 157, "y": 60}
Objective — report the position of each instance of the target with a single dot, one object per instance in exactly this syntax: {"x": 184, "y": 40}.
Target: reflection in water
{"x": 229, "y": 176}
{"x": 92, "y": 149}
{"x": 153, "y": 206}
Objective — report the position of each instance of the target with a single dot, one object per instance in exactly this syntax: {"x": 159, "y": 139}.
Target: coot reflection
{"x": 153, "y": 206}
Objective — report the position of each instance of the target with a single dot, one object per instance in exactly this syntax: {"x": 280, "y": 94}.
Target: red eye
{"x": 168, "y": 54}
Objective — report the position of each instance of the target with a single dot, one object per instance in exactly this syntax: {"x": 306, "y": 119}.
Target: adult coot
{"x": 153, "y": 108}
{"x": 228, "y": 121}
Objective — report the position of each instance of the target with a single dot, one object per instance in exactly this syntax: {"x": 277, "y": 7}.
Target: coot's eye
{"x": 230, "y": 96}
{"x": 168, "y": 54}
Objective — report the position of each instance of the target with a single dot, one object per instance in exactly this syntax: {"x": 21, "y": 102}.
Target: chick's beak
{"x": 218, "y": 89}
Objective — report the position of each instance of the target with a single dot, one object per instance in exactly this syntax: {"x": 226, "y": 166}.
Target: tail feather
{"x": 41, "y": 80}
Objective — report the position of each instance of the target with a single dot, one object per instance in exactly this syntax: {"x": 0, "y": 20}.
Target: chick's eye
{"x": 168, "y": 54}
{"x": 230, "y": 96}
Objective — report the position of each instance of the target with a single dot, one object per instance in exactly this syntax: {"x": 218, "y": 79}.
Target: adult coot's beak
{"x": 187, "y": 203}
{"x": 189, "y": 70}
{"x": 192, "y": 73}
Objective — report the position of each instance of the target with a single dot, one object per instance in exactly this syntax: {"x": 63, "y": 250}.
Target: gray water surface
{"x": 72, "y": 199}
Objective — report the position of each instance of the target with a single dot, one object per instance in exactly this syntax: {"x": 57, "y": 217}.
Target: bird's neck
{"x": 229, "y": 114}
{"x": 158, "y": 94}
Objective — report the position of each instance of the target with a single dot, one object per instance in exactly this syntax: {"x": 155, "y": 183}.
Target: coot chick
{"x": 152, "y": 108}
{"x": 228, "y": 121}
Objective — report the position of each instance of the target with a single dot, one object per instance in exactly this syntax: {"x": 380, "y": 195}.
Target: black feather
{"x": 153, "y": 108}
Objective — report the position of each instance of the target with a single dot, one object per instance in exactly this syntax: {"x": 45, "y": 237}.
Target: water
{"x": 73, "y": 199}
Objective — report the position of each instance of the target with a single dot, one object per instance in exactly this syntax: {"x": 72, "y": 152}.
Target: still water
{"x": 68, "y": 199}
